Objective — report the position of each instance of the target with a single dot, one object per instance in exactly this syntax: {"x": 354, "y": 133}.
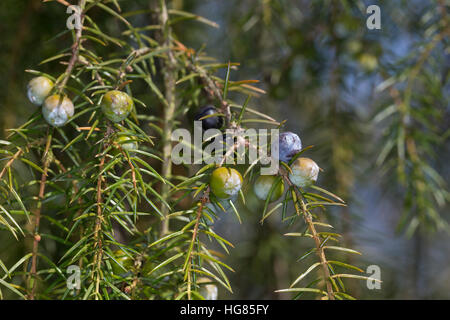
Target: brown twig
{"x": 194, "y": 237}
{"x": 319, "y": 249}
{"x": 87, "y": 129}
{"x": 75, "y": 49}
{"x": 37, "y": 238}
{"x": 10, "y": 162}
{"x": 98, "y": 226}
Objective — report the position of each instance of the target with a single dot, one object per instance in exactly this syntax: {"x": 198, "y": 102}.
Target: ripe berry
{"x": 290, "y": 144}
{"x": 116, "y": 105}
{"x": 225, "y": 182}
{"x": 57, "y": 110}
{"x": 263, "y": 185}
{"x": 304, "y": 172}
{"x": 215, "y": 122}
{"x": 38, "y": 89}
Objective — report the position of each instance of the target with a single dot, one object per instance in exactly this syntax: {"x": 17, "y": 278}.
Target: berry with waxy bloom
{"x": 116, "y": 105}
{"x": 57, "y": 110}
{"x": 214, "y": 122}
{"x": 225, "y": 182}
{"x": 289, "y": 145}
{"x": 38, "y": 89}
{"x": 264, "y": 184}
{"x": 304, "y": 172}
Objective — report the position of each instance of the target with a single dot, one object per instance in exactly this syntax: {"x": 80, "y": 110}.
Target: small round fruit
{"x": 208, "y": 290}
{"x": 38, "y": 89}
{"x": 57, "y": 110}
{"x": 368, "y": 61}
{"x": 304, "y": 172}
{"x": 225, "y": 182}
{"x": 263, "y": 185}
{"x": 126, "y": 143}
{"x": 116, "y": 105}
{"x": 290, "y": 144}
{"x": 215, "y": 122}
{"x": 124, "y": 260}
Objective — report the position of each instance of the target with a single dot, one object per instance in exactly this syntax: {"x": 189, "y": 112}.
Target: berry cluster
{"x": 57, "y": 108}
{"x": 226, "y": 182}
{"x": 303, "y": 173}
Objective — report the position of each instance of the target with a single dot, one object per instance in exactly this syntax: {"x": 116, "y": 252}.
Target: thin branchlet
{"x": 302, "y": 210}
{"x": 37, "y": 215}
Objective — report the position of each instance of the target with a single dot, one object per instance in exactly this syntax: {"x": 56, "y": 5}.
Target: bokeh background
{"x": 321, "y": 68}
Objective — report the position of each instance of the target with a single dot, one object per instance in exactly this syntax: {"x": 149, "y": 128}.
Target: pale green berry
{"x": 123, "y": 260}
{"x": 126, "y": 143}
{"x": 264, "y": 184}
{"x": 116, "y": 105}
{"x": 368, "y": 61}
{"x": 225, "y": 182}
{"x": 304, "y": 172}
{"x": 57, "y": 110}
{"x": 38, "y": 89}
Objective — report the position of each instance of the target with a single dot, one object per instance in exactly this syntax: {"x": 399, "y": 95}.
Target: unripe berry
{"x": 368, "y": 61}
{"x": 290, "y": 144}
{"x": 225, "y": 182}
{"x": 263, "y": 185}
{"x": 57, "y": 110}
{"x": 215, "y": 122}
{"x": 116, "y": 105}
{"x": 122, "y": 258}
{"x": 126, "y": 143}
{"x": 304, "y": 172}
{"x": 38, "y": 89}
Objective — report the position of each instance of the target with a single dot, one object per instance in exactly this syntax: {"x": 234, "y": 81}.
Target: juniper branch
{"x": 37, "y": 219}
{"x": 194, "y": 238}
{"x": 98, "y": 226}
{"x": 169, "y": 76}
{"x": 10, "y": 162}
{"x": 75, "y": 48}
{"x": 308, "y": 220}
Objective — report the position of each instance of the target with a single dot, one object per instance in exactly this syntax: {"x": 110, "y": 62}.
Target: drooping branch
{"x": 98, "y": 226}
{"x": 302, "y": 210}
